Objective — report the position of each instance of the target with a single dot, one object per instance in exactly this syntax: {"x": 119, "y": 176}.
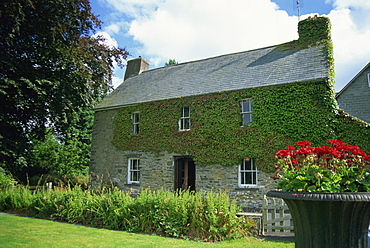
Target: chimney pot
{"x": 136, "y": 67}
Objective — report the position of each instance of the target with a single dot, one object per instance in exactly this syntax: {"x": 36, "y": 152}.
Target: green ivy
{"x": 314, "y": 30}
{"x": 352, "y": 130}
{"x": 282, "y": 114}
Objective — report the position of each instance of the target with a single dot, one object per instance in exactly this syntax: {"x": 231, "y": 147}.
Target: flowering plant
{"x": 336, "y": 168}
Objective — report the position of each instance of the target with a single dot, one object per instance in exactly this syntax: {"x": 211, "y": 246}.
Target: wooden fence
{"x": 276, "y": 216}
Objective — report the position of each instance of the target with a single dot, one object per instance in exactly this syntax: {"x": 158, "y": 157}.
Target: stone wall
{"x": 157, "y": 170}
{"x": 104, "y": 156}
{"x": 355, "y": 98}
{"x": 217, "y": 177}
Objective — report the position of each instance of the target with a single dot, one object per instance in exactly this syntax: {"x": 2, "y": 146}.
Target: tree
{"x": 61, "y": 158}
{"x": 51, "y": 67}
{"x": 171, "y": 62}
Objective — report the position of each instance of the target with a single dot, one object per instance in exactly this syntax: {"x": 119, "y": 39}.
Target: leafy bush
{"x": 202, "y": 216}
{"x": 6, "y": 180}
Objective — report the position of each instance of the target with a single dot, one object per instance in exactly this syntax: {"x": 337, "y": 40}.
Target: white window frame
{"x": 184, "y": 118}
{"x": 135, "y": 117}
{"x": 131, "y": 168}
{"x": 244, "y": 112}
{"x": 243, "y": 171}
{"x": 368, "y": 79}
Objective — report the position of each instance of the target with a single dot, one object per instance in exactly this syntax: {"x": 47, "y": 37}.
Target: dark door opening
{"x": 184, "y": 173}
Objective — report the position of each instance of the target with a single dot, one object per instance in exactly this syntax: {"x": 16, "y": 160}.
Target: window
{"x": 135, "y": 123}
{"x": 246, "y": 112}
{"x": 368, "y": 79}
{"x": 133, "y": 170}
{"x": 247, "y": 174}
{"x": 185, "y": 122}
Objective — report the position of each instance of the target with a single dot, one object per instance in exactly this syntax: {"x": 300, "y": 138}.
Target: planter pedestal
{"x": 338, "y": 220}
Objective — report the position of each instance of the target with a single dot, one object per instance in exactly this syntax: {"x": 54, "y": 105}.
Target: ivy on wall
{"x": 282, "y": 114}
{"x": 353, "y": 130}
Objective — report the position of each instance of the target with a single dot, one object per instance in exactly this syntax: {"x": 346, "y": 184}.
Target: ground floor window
{"x": 133, "y": 170}
{"x": 247, "y": 173}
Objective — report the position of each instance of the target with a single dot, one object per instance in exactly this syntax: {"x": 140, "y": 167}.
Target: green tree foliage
{"x": 67, "y": 155}
{"x": 51, "y": 67}
{"x": 171, "y": 62}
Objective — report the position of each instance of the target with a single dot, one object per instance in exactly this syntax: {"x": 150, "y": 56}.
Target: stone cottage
{"x": 215, "y": 123}
{"x": 354, "y": 98}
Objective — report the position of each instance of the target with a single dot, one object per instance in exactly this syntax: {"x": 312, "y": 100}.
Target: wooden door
{"x": 184, "y": 173}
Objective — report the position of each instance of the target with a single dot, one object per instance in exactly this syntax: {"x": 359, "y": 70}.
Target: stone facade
{"x": 157, "y": 171}
{"x": 218, "y": 86}
{"x": 354, "y": 98}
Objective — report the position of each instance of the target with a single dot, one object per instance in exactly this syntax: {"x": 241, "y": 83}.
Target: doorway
{"x": 184, "y": 173}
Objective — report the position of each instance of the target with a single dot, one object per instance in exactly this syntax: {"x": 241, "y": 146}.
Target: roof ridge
{"x": 241, "y": 70}
{"x": 213, "y": 57}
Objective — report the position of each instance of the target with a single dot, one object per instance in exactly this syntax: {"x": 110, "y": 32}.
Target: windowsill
{"x": 132, "y": 184}
{"x": 248, "y": 188}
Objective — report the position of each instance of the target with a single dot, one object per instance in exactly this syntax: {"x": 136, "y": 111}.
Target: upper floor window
{"x": 247, "y": 173}
{"x": 135, "y": 117}
{"x": 185, "y": 122}
{"x": 246, "y": 112}
{"x": 368, "y": 79}
{"x": 133, "y": 175}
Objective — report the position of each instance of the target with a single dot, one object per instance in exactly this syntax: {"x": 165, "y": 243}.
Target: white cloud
{"x": 117, "y": 78}
{"x": 345, "y": 4}
{"x": 112, "y": 29}
{"x": 359, "y": 11}
{"x": 187, "y": 30}
{"x": 110, "y": 41}
{"x": 193, "y": 29}
{"x": 134, "y": 8}
{"x": 350, "y": 39}
{"x": 116, "y": 81}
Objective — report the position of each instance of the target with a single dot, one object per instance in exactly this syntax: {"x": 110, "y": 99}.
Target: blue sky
{"x": 187, "y": 30}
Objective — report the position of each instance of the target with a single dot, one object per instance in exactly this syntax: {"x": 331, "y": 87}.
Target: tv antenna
{"x": 299, "y": 9}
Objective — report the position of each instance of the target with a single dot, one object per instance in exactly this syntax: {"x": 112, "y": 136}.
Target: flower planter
{"x": 328, "y": 219}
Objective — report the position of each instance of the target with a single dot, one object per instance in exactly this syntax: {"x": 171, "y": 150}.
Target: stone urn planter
{"x": 328, "y": 219}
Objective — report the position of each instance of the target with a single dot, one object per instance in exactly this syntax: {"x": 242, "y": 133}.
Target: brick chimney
{"x": 135, "y": 67}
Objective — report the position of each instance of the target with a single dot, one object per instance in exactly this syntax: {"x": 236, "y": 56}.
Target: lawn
{"x": 16, "y": 231}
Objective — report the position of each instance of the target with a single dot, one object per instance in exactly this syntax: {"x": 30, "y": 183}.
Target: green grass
{"x": 16, "y": 231}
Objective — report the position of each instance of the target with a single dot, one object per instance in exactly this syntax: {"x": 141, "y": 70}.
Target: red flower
{"x": 291, "y": 148}
{"x": 303, "y": 143}
{"x": 304, "y": 151}
{"x": 283, "y": 153}
{"x": 295, "y": 161}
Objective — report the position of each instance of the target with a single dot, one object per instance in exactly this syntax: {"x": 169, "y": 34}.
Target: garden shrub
{"x": 6, "y": 180}
{"x": 202, "y": 216}
{"x": 17, "y": 199}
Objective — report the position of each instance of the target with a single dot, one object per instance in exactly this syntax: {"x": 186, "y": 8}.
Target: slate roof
{"x": 352, "y": 80}
{"x": 255, "y": 68}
